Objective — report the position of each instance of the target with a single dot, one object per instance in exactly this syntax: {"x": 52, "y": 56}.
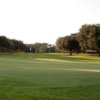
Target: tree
{"x": 98, "y": 46}
{"x": 68, "y": 43}
{"x": 88, "y": 36}
{"x": 17, "y": 45}
{"x": 43, "y": 48}
{"x": 59, "y": 43}
{"x": 98, "y": 38}
{"x": 71, "y": 44}
{"x": 4, "y": 44}
{"x": 83, "y": 37}
{"x": 51, "y": 48}
{"x": 37, "y": 46}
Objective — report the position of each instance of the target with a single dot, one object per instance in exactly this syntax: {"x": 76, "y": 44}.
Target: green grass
{"x": 49, "y": 77}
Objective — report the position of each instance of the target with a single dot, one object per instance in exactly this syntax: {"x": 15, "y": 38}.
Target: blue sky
{"x": 45, "y": 20}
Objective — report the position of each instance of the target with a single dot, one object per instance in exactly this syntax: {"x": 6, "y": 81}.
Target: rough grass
{"x": 49, "y": 77}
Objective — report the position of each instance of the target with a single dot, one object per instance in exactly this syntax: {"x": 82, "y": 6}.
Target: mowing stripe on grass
{"x": 27, "y": 61}
{"x": 64, "y": 61}
{"x": 84, "y": 70}
{"x": 42, "y": 60}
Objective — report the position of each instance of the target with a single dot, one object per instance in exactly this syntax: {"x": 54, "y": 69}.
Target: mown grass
{"x": 52, "y": 57}
{"x": 46, "y": 77}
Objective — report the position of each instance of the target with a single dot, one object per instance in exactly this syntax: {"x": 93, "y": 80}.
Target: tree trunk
{"x": 99, "y": 54}
{"x": 70, "y": 53}
{"x": 98, "y": 51}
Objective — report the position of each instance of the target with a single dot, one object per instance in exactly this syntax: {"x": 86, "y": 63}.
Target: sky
{"x": 45, "y": 20}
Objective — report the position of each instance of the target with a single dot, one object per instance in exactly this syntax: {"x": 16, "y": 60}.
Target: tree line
{"x": 13, "y": 45}
{"x": 88, "y": 38}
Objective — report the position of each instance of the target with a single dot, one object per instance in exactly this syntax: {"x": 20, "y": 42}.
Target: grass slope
{"x": 49, "y": 77}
